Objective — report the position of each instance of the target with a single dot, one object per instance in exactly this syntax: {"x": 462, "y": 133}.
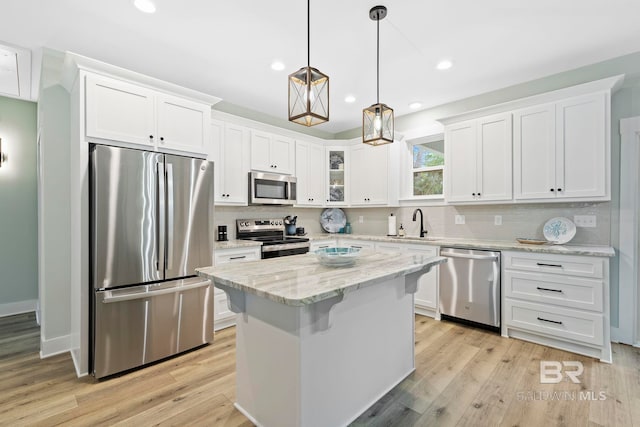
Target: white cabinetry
{"x": 272, "y": 153}
{"x": 355, "y": 243}
{"x": 558, "y": 300}
{"x": 337, "y": 177}
{"x": 310, "y": 174}
{"x": 478, "y": 159}
{"x": 369, "y": 175}
{"x": 314, "y": 245}
{"x": 222, "y": 316}
{"x": 128, "y": 113}
{"x": 230, "y": 153}
{"x": 562, "y": 150}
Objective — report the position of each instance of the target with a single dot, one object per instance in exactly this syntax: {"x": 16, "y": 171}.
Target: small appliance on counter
{"x": 290, "y": 225}
{"x": 222, "y": 233}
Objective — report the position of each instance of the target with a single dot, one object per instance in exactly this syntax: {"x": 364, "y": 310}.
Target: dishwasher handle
{"x": 110, "y": 298}
{"x": 468, "y": 256}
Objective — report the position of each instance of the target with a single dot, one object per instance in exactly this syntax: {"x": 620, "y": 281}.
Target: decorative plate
{"x": 559, "y": 230}
{"x": 333, "y": 219}
{"x": 337, "y": 257}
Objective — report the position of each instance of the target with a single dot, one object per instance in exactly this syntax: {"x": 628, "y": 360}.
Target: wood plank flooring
{"x": 464, "y": 377}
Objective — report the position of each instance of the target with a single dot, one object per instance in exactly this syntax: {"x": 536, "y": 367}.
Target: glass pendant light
{"x": 308, "y": 91}
{"x": 377, "y": 120}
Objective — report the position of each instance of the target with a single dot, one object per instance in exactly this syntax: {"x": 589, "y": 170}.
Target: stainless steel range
{"x": 271, "y": 233}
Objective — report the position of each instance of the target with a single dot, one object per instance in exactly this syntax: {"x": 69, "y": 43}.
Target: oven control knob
{"x": 280, "y": 223}
{"x": 272, "y": 223}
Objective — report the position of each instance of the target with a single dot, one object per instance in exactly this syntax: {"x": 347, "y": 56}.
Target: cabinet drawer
{"x": 389, "y": 247}
{"x": 362, "y": 244}
{"x": 314, "y": 246}
{"x": 236, "y": 255}
{"x": 423, "y": 249}
{"x": 565, "y": 291}
{"x": 583, "y": 326}
{"x": 556, "y": 264}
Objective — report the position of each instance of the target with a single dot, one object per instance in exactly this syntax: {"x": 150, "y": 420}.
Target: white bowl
{"x": 337, "y": 257}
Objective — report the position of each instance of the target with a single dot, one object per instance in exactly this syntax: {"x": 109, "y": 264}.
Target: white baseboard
{"x": 19, "y": 307}
{"x": 54, "y": 346}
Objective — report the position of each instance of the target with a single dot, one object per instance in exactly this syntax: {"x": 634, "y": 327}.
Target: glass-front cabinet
{"x": 337, "y": 185}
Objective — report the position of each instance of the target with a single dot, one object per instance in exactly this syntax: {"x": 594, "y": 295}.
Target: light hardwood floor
{"x": 464, "y": 377}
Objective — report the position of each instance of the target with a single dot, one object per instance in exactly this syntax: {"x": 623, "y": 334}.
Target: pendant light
{"x": 377, "y": 120}
{"x": 308, "y": 91}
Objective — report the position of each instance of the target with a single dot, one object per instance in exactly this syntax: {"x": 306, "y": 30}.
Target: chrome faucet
{"x": 422, "y": 230}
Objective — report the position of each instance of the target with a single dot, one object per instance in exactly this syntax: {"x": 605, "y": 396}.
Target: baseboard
{"x": 18, "y": 307}
{"x": 54, "y": 346}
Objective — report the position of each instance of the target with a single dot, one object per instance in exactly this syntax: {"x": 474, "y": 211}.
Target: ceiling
{"x": 225, "y": 48}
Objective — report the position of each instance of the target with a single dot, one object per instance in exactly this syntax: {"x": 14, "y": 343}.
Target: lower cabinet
{"x": 321, "y": 244}
{"x": 557, "y": 300}
{"x": 222, "y": 316}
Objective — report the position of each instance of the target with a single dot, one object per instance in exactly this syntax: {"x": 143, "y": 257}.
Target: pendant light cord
{"x": 378, "y": 60}
{"x": 308, "y": 33}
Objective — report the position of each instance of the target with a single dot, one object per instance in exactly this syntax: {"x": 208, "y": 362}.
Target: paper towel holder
{"x": 391, "y": 229}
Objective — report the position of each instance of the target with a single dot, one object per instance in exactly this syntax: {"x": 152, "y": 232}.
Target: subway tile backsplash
{"x": 522, "y": 220}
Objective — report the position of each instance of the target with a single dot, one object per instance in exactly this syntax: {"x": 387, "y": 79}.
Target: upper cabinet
{"x": 336, "y": 178}
{"x": 124, "y": 112}
{"x": 272, "y": 153}
{"x": 478, "y": 159}
{"x": 310, "y": 174}
{"x": 369, "y": 175}
{"x": 230, "y": 145}
{"x": 562, "y": 150}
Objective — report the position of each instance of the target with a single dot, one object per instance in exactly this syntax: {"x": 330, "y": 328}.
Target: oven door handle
{"x": 285, "y": 246}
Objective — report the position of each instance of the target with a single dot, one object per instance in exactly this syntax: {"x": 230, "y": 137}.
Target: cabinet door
{"x": 582, "y": 149}
{"x": 461, "y": 162}
{"x": 427, "y": 294}
{"x": 260, "y": 152}
{"x": 369, "y": 172}
{"x": 337, "y": 189}
{"x": 534, "y": 152}
{"x": 494, "y": 174}
{"x": 183, "y": 125}
{"x": 310, "y": 174}
{"x": 282, "y": 154}
{"x": 215, "y": 156}
{"x": 119, "y": 111}
{"x": 234, "y": 165}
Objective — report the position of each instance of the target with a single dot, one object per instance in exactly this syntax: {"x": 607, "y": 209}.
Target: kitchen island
{"x": 316, "y": 345}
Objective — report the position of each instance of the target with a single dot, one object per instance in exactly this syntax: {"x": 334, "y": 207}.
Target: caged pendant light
{"x": 308, "y": 91}
{"x": 377, "y": 120}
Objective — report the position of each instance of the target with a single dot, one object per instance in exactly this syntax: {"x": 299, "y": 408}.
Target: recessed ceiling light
{"x": 146, "y": 6}
{"x": 277, "y": 66}
{"x": 415, "y": 105}
{"x": 349, "y": 99}
{"x": 445, "y": 64}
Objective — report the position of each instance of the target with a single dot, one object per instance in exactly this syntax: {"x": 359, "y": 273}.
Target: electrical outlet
{"x": 585, "y": 220}
{"x": 361, "y": 219}
{"x": 459, "y": 219}
{"x": 497, "y": 220}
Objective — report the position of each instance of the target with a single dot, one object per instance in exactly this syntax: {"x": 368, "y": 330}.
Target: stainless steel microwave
{"x": 271, "y": 189}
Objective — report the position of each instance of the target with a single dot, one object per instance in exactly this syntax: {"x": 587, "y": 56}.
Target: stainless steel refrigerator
{"x": 151, "y": 221}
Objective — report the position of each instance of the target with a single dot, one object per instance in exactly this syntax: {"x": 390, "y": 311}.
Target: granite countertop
{"x": 503, "y": 245}
{"x": 232, "y": 244}
{"x": 301, "y": 280}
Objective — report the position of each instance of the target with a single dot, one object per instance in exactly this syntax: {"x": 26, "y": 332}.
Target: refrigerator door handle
{"x": 170, "y": 217}
{"x": 160, "y": 215}
{"x": 110, "y": 298}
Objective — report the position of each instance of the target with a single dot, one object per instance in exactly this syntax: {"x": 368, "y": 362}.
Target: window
{"x": 428, "y": 167}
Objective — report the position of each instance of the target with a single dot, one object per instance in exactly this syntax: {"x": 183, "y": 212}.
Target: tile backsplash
{"x": 522, "y": 220}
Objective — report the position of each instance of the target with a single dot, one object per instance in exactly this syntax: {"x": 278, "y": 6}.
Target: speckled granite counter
{"x": 232, "y": 244}
{"x": 302, "y": 280}
{"x": 600, "y": 251}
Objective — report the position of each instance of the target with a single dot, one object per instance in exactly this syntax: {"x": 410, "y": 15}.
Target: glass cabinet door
{"x": 336, "y": 176}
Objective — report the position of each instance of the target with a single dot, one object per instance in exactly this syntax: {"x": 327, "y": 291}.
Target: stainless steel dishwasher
{"x": 469, "y": 286}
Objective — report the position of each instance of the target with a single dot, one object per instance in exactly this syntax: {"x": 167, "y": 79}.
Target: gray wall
{"x": 18, "y": 202}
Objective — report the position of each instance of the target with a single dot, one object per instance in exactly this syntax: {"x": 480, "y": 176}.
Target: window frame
{"x": 411, "y": 170}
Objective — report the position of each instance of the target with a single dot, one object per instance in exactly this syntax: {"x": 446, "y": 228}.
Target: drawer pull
{"x": 357, "y": 247}
{"x": 238, "y": 257}
{"x": 323, "y": 246}
{"x": 548, "y": 289}
{"x": 550, "y": 321}
{"x": 542, "y": 264}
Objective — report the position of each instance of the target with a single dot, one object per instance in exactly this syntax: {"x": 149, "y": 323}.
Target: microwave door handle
{"x": 170, "y": 217}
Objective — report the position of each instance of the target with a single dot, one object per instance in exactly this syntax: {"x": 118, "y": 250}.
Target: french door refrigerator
{"x": 151, "y": 222}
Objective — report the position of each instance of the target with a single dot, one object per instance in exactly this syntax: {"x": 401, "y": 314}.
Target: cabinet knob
{"x": 150, "y": 136}
{"x": 559, "y": 189}
{"x": 473, "y": 194}
{"x": 552, "y": 189}
{"x": 478, "y": 194}
{"x": 162, "y": 138}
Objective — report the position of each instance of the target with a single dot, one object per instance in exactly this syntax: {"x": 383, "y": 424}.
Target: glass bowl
{"x": 337, "y": 257}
